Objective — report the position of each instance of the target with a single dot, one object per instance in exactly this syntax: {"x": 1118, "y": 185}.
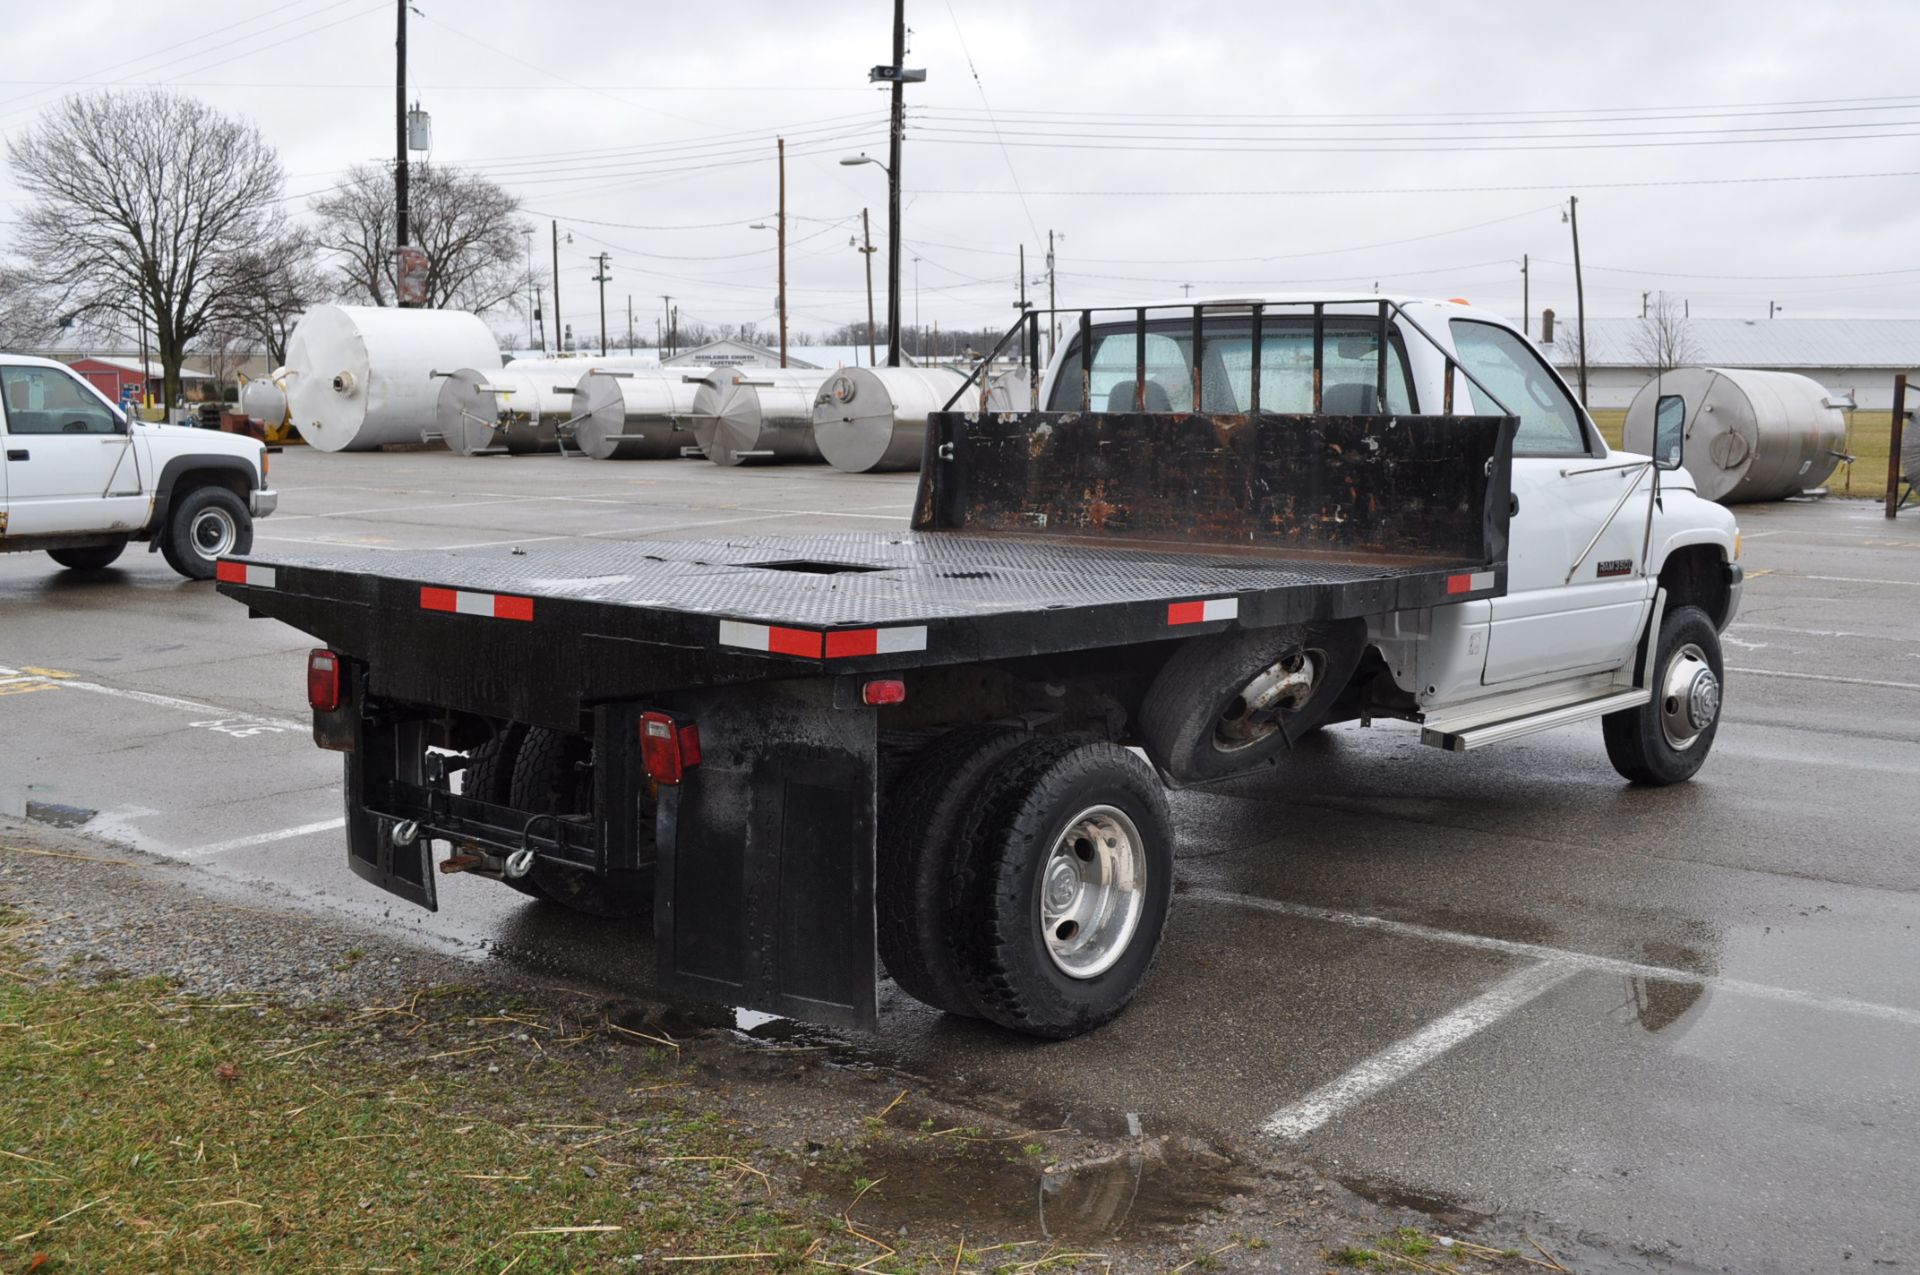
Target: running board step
{"x": 1461, "y": 741}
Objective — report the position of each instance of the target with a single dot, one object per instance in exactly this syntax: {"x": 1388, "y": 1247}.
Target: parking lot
{"x": 1679, "y": 1024}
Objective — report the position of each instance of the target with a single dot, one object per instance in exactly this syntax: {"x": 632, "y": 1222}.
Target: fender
{"x": 178, "y": 468}
{"x": 1686, "y": 538}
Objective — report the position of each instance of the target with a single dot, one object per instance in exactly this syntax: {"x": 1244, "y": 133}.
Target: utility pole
{"x": 532, "y": 304}
{"x": 899, "y": 75}
{"x": 1579, "y": 292}
{"x": 1526, "y": 298}
{"x": 400, "y": 147}
{"x": 1053, "y": 306}
{"x": 559, "y": 333}
{"x": 866, "y": 233}
{"x": 601, "y": 279}
{"x": 783, "y": 250}
{"x": 666, "y": 311}
{"x": 1643, "y": 304}
{"x": 673, "y": 328}
{"x": 629, "y": 323}
{"x": 538, "y": 293}
{"x": 1772, "y": 307}
{"x": 1021, "y": 304}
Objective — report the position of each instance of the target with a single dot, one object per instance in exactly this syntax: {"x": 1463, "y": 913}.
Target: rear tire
{"x": 1068, "y": 882}
{"x": 554, "y": 775}
{"x": 207, "y": 523}
{"x": 919, "y": 851}
{"x": 92, "y": 558}
{"x": 490, "y": 779}
{"x": 1226, "y": 703}
{"x": 1666, "y": 740}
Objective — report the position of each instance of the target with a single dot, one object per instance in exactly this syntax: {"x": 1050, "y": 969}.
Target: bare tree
{"x": 465, "y": 224}
{"x": 286, "y": 279}
{"x": 1663, "y": 340}
{"x": 146, "y": 204}
{"x": 25, "y": 323}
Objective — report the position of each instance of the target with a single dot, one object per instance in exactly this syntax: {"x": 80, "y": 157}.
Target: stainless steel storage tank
{"x": 639, "y": 415}
{"x": 743, "y": 414}
{"x": 264, "y": 399}
{"x": 867, "y": 419}
{"x": 1751, "y": 435}
{"x": 503, "y": 410}
{"x": 360, "y": 377}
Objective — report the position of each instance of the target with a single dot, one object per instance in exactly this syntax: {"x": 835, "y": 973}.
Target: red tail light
{"x": 886, "y": 690}
{"x": 323, "y": 680}
{"x": 669, "y": 747}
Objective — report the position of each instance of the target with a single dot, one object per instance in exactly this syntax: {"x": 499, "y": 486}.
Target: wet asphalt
{"x": 1713, "y": 1062}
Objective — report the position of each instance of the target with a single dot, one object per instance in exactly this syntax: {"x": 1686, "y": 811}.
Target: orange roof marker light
{"x": 1458, "y": 301}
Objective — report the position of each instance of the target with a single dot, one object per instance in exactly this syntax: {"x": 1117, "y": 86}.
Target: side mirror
{"x": 1669, "y": 431}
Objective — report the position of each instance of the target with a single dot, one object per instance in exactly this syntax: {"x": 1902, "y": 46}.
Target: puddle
{"x": 59, "y": 816}
{"x": 936, "y": 1186}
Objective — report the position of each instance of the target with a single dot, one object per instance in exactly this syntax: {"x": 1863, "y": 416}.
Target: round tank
{"x": 743, "y": 414}
{"x": 503, "y": 410}
{"x": 1751, "y": 435}
{"x": 644, "y": 415}
{"x": 868, "y": 419}
{"x": 1009, "y": 391}
{"x": 263, "y": 400}
{"x": 360, "y": 377}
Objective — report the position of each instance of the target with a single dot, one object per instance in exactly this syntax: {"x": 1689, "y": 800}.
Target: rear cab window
{"x": 1551, "y": 423}
{"x": 1350, "y": 366}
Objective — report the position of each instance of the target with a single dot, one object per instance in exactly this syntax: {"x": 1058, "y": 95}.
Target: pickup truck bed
{"x": 851, "y": 602}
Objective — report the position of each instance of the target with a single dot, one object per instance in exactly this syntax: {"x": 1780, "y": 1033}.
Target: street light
{"x": 893, "y": 248}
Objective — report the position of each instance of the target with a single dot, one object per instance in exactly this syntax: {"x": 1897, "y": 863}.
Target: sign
{"x": 410, "y": 275}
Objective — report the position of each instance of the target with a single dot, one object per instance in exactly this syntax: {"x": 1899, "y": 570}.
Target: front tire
{"x": 1069, "y": 878}
{"x": 92, "y": 558}
{"x": 1666, "y": 740}
{"x": 206, "y": 525}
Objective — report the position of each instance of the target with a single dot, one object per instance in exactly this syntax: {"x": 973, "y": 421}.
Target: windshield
{"x": 1350, "y": 366}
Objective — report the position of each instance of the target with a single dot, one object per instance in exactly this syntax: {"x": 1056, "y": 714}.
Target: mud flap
{"x": 764, "y": 898}
{"x": 403, "y": 870}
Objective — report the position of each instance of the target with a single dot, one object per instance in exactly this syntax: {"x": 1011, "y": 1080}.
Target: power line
{"x": 1835, "y": 103}
{"x": 1327, "y": 192}
{"x": 1187, "y": 146}
{"x": 981, "y": 87}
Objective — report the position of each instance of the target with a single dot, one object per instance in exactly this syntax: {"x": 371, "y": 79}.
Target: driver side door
{"x": 70, "y": 458}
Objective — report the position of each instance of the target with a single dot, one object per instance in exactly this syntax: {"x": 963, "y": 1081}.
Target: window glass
{"x": 44, "y": 400}
{"x": 1351, "y": 363}
{"x": 1506, "y": 364}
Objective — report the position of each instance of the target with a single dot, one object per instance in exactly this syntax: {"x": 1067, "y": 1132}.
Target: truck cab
{"x": 79, "y": 479}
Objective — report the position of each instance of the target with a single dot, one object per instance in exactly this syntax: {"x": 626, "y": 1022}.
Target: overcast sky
{"x": 1720, "y": 151}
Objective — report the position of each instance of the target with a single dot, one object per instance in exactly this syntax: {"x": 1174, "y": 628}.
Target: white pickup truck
{"x": 1216, "y": 526}
{"x": 79, "y": 480}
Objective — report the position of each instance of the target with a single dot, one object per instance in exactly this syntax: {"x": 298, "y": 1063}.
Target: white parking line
{"x": 1911, "y": 584}
{"x": 1564, "y": 956}
{"x": 1823, "y": 677}
{"x": 261, "y": 839}
{"x": 225, "y": 721}
{"x": 1403, "y": 1057}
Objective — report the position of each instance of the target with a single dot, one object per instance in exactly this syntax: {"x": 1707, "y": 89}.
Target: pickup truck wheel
{"x": 489, "y": 778}
{"x": 1069, "y": 878}
{"x": 1219, "y": 705}
{"x": 1666, "y": 740}
{"x": 206, "y": 524}
{"x": 554, "y": 775}
{"x": 92, "y": 558}
{"x": 918, "y": 853}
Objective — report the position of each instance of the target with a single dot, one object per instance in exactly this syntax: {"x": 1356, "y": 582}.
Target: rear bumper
{"x": 263, "y": 502}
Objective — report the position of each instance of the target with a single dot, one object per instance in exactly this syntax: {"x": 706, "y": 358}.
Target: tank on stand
{"x": 360, "y": 377}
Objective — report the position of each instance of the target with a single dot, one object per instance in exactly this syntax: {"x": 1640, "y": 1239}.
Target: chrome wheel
{"x": 212, "y": 532}
{"x": 1092, "y": 891}
{"x": 1689, "y": 697}
{"x": 1282, "y": 687}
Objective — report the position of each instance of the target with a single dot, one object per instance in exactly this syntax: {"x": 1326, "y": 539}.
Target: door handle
{"x": 17, "y": 453}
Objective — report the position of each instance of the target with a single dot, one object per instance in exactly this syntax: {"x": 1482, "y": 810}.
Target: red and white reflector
{"x": 493, "y": 606}
{"x": 812, "y": 644}
{"x": 885, "y": 690}
{"x": 1203, "y": 610}
{"x": 669, "y": 747}
{"x": 244, "y": 573}
{"x": 323, "y": 680}
{"x": 1470, "y": 583}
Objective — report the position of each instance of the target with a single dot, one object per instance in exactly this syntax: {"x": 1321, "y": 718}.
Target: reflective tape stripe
{"x": 244, "y": 573}
{"x": 834, "y": 644}
{"x": 491, "y": 606}
{"x": 1473, "y": 583}
{"x": 1203, "y": 610}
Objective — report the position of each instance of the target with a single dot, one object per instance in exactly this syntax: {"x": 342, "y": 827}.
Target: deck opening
{"x": 811, "y": 568}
